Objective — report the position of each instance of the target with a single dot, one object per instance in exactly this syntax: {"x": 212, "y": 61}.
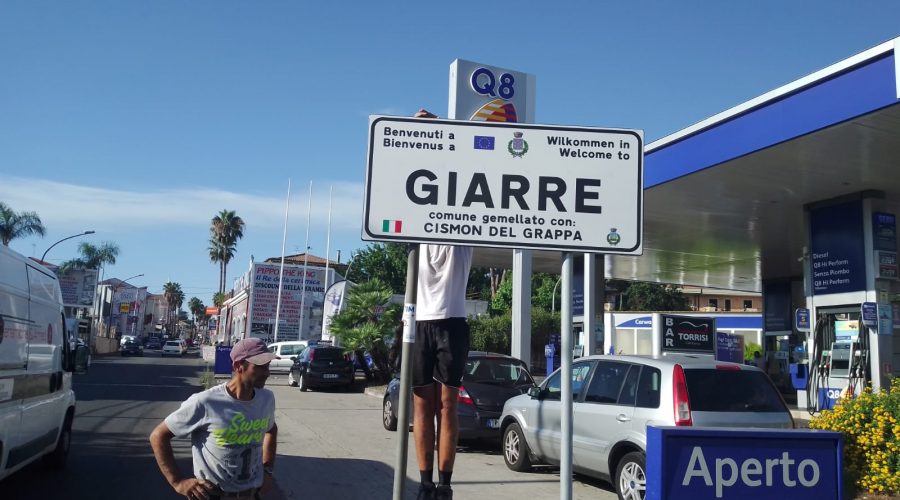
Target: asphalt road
{"x": 331, "y": 445}
{"x": 120, "y": 400}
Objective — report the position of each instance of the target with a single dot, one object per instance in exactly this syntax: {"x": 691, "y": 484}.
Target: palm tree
{"x": 18, "y": 224}
{"x": 92, "y": 256}
{"x": 218, "y": 299}
{"x": 174, "y": 298}
{"x": 368, "y": 322}
{"x": 226, "y": 228}
{"x": 197, "y": 308}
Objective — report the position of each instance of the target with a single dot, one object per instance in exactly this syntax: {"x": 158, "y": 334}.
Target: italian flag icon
{"x": 391, "y": 226}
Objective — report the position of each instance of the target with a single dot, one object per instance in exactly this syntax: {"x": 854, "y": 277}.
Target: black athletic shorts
{"x": 440, "y": 352}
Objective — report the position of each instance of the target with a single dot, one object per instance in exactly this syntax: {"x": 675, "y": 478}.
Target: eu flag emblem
{"x": 484, "y": 142}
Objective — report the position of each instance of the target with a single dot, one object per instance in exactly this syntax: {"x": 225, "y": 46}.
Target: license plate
{"x": 331, "y": 375}
{"x": 493, "y": 423}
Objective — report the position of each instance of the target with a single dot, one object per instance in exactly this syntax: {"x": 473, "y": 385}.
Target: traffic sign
{"x": 504, "y": 185}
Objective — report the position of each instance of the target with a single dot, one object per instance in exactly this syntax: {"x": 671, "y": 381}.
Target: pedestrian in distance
{"x": 232, "y": 430}
{"x": 439, "y": 359}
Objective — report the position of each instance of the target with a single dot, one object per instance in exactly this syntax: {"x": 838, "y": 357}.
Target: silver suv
{"x": 616, "y": 397}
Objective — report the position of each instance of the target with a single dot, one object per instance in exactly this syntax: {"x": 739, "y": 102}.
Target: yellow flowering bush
{"x": 870, "y": 424}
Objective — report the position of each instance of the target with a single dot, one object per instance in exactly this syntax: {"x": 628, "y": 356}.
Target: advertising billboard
{"x": 77, "y": 286}
{"x": 264, "y": 302}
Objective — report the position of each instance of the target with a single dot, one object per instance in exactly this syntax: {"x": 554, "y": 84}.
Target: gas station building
{"x": 793, "y": 194}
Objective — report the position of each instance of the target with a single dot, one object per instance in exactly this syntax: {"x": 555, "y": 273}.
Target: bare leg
{"x": 449, "y": 427}
{"x": 423, "y": 425}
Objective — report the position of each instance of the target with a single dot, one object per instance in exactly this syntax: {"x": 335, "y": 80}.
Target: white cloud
{"x": 61, "y": 204}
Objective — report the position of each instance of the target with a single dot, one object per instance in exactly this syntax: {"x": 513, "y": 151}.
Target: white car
{"x": 615, "y": 398}
{"x": 176, "y": 347}
{"x": 286, "y": 351}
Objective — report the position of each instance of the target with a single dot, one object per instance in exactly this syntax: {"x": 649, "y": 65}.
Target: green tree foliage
{"x": 494, "y": 333}
{"x": 198, "y": 310}
{"x": 225, "y": 229}
{"x": 542, "y": 293}
{"x": 385, "y": 262}
{"x": 368, "y": 322}
{"x": 643, "y": 296}
{"x": 92, "y": 256}
{"x": 174, "y": 298}
{"x": 219, "y": 299}
{"x": 15, "y": 225}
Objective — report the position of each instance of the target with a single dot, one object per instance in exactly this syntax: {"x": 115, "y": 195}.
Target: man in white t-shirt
{"x": 232, "y": 430}
{"x": 439, "y": 358}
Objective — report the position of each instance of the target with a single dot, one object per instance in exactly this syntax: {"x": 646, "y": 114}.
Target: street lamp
{"x": 112, "y": 300}
{"x": 553, "y": 307}
{"x": 64, "y": 239}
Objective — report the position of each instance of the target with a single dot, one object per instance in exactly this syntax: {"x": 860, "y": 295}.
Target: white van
{"x": 37, "y": 404}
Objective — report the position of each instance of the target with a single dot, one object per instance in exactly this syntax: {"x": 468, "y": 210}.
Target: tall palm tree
{"x": 226, "y": 228}
{"x": 197, "y": 308}
{"x": 174, "y": 298}
{"x": 18, "y": 224}
{"x": 92, "y": 256}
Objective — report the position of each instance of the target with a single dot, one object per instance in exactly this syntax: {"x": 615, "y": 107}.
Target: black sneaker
{"x": 426, "y": 492}
{"x": 443, "y": 492}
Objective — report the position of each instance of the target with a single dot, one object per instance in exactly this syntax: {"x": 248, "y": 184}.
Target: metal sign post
{"x": 565, "y": 359}
{"x": 409, "y": 338}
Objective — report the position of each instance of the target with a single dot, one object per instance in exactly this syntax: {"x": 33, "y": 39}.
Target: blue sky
{"x": 141, "y": 120}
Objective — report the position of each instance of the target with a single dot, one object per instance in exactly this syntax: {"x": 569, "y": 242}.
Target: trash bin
{"x": 223, "y": 360}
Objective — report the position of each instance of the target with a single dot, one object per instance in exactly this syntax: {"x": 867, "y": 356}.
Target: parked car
{"x": 287, "y": 351}
{"x": 616, "y": 397}
{"x": 488, "y": 381}
{"x": 153, "y": 343}
{"x": 322, "y": 365}
{"x": 176, "y": 347}
{"x": 132, "y": 347}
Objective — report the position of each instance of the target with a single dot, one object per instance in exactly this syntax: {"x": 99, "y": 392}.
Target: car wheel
{"x": 631, "y": 481}
{"x": 516, "y": 453}
{"x": 291, "y": 381}
{"x": 303, "y": 385}
{"x": 388, "y": 419}
{"x": 56, "y": 459}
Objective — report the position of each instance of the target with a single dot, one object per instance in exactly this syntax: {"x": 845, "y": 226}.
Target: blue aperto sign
{"x": 705, "y": 463}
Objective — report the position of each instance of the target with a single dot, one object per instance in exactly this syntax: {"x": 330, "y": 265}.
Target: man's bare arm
{"x": 161, "y": 442}
{"x": 270, "y": 442}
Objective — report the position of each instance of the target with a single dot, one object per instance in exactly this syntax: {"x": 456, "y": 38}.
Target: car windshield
{"x": 173, "y": 343}
{"x": 731, "y": 391}
{"x": 497, "y": 371}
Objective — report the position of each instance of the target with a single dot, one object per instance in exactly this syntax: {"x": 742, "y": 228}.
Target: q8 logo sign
{"x": 485, "y": 93}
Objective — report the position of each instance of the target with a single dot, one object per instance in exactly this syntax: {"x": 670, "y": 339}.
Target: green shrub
{"x": 871, "y": 432}
{"x": 491, "y": 333}
{"x": 207, "y": 378}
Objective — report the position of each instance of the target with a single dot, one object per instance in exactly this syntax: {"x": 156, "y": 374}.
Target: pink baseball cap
{"x": 252, "y": 350}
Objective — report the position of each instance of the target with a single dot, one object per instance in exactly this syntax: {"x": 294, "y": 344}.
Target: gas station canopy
{"x": 724, "y": 199}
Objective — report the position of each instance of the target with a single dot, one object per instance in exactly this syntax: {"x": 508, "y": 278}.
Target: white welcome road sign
{"x": 504, "y": 185}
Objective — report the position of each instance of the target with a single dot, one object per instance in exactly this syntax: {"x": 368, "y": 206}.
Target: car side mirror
{"x": 82, "y": 355}
{"x": 535, "y": 392}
